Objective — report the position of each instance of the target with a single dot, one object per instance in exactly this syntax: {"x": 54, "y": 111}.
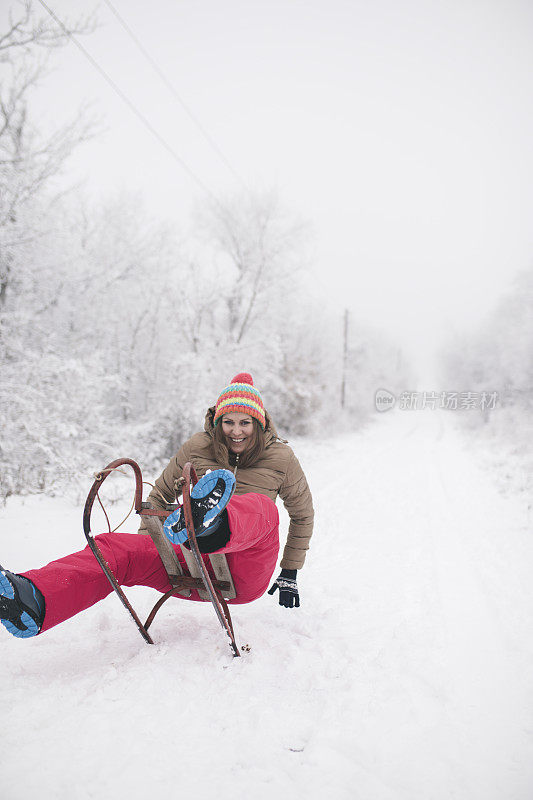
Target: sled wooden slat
{"x": 194, "y": 570}
{"x": 168, "y": 555}
{"x": 219, "y": 563}
{"x": 223, "y": 581}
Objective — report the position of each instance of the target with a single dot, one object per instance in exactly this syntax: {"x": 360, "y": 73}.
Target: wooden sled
{"x": 217, "y": 590}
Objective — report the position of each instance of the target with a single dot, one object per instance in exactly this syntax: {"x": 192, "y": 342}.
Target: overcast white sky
{"x": 402, "y": 130}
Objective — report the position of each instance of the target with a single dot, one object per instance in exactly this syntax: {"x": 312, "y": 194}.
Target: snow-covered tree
{"x": 29, "y": 158}
{"x": 499, "y": 359}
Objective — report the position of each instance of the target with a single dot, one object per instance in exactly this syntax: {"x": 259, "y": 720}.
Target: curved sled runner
{"x": 198, "y": 577}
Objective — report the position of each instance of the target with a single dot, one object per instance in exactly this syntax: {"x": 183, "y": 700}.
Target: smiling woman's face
{"x": 238, "y": 431}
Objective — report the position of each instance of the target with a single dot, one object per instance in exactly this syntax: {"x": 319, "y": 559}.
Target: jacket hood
{"x": 270, "y": 432}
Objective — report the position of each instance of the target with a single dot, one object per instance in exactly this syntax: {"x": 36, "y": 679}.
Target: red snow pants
{"x": 76, "y": 582}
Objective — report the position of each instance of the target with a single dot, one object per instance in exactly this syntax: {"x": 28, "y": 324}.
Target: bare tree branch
{"x": 30, "y": 31}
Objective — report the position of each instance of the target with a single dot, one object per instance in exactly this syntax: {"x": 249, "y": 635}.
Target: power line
{"x": 175, "y": 93}
{"x": 132, "y": 107}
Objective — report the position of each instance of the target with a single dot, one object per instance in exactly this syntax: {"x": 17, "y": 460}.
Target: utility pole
{"x": 344, "y": 359}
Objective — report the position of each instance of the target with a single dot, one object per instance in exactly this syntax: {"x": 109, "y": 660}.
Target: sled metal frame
{"x": 199, "y": 578}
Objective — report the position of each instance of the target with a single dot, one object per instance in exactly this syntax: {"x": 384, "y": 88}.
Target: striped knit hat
{"x": 241, "y": 396}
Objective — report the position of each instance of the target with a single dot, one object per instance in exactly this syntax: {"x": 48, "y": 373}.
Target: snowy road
{"x": 407, "y": 674}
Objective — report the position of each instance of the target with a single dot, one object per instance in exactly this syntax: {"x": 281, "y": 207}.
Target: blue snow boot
{"x": 21, "y": 605}
{"x": 208, "y": 499}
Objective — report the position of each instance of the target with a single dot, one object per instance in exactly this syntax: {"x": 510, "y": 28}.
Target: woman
{"x": 243, "y": 466}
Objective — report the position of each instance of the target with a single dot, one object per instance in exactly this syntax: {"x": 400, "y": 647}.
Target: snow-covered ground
{"x": 407, "y": 673}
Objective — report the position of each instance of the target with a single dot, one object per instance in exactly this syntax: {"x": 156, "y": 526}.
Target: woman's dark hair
{"x": 252, "y": 454}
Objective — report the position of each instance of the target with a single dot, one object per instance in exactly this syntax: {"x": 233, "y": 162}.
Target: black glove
{"x": 288, "y": 590}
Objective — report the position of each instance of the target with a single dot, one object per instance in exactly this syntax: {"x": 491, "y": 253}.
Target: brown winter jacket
{"x": 277, "y": 472}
